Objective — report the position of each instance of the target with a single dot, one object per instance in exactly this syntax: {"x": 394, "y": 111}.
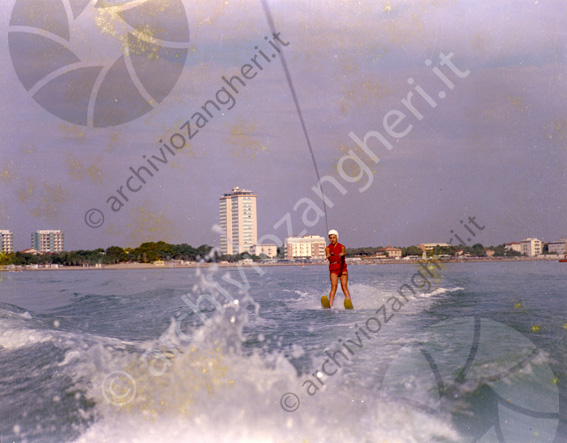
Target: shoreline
{"x": 145, "y": 266}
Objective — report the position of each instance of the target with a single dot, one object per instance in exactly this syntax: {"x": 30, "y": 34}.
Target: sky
{"x": 461, "y": 104}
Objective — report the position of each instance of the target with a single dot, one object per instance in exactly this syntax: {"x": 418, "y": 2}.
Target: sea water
{"x": 459, "y": 352}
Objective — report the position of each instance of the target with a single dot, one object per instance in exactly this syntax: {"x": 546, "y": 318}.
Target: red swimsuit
{"x": 337, "y": 265}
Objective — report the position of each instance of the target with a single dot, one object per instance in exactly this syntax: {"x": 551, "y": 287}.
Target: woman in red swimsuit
{"x": 335, "y": 253}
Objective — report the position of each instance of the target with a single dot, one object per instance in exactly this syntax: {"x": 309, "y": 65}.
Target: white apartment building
{"x": 531, "y": 247}
{"x": 48, "y": 241}
{"x": 238, "y": 219}
{"x": 269, "y": 250}
{"x": 305, "y": 247}
{"x": 557, "y": 247}
{"x": 7, "y": 241}
{"x": 513, "y": 246}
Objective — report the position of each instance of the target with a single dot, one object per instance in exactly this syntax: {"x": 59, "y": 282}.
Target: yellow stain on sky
{"x": 179, "y": 162}
{"x": 148, "y": 226}
{"x": 75, "y": 167}
{"x": 350, "y": 167}
{"x": 411, "y": 23}
{"x": 138, "y": 40}
{"x": 25, "y": 192}
{"x": 52, "y": 198}
{"x": 79, "y": 172}
{"x": 72, "y": 132}
{"x": 243, "y": 138}
{"x": 362, "y": 92}
{"x": 111, "y": 230}
{"x": 517, "y": 101}
{"x": 6, "y": 173}
{"x": 113, "y": 142}
{"x": 557, "y": 130}
{"x": 209, "y": 11}
{"x": 28, "y": 149}
{"x": 479, "y": 42}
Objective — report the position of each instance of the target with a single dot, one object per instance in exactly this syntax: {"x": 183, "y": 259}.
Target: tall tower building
{"x": 47, "y": 241}
{"x": 239, "y": 221}
{"x": 6, "y": 241}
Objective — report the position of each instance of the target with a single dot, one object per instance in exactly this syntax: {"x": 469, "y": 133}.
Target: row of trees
{"x": 145, "y": 253}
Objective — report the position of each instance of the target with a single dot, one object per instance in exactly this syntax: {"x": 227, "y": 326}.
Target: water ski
{"x": 325, "y": 302}
{"x": 348, "y": 304}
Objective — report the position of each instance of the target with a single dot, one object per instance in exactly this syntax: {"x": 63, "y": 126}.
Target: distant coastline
{"x": 193, "y": 265}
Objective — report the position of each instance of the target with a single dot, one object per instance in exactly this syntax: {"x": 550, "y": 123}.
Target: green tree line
{"x": 145, "y": 253}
